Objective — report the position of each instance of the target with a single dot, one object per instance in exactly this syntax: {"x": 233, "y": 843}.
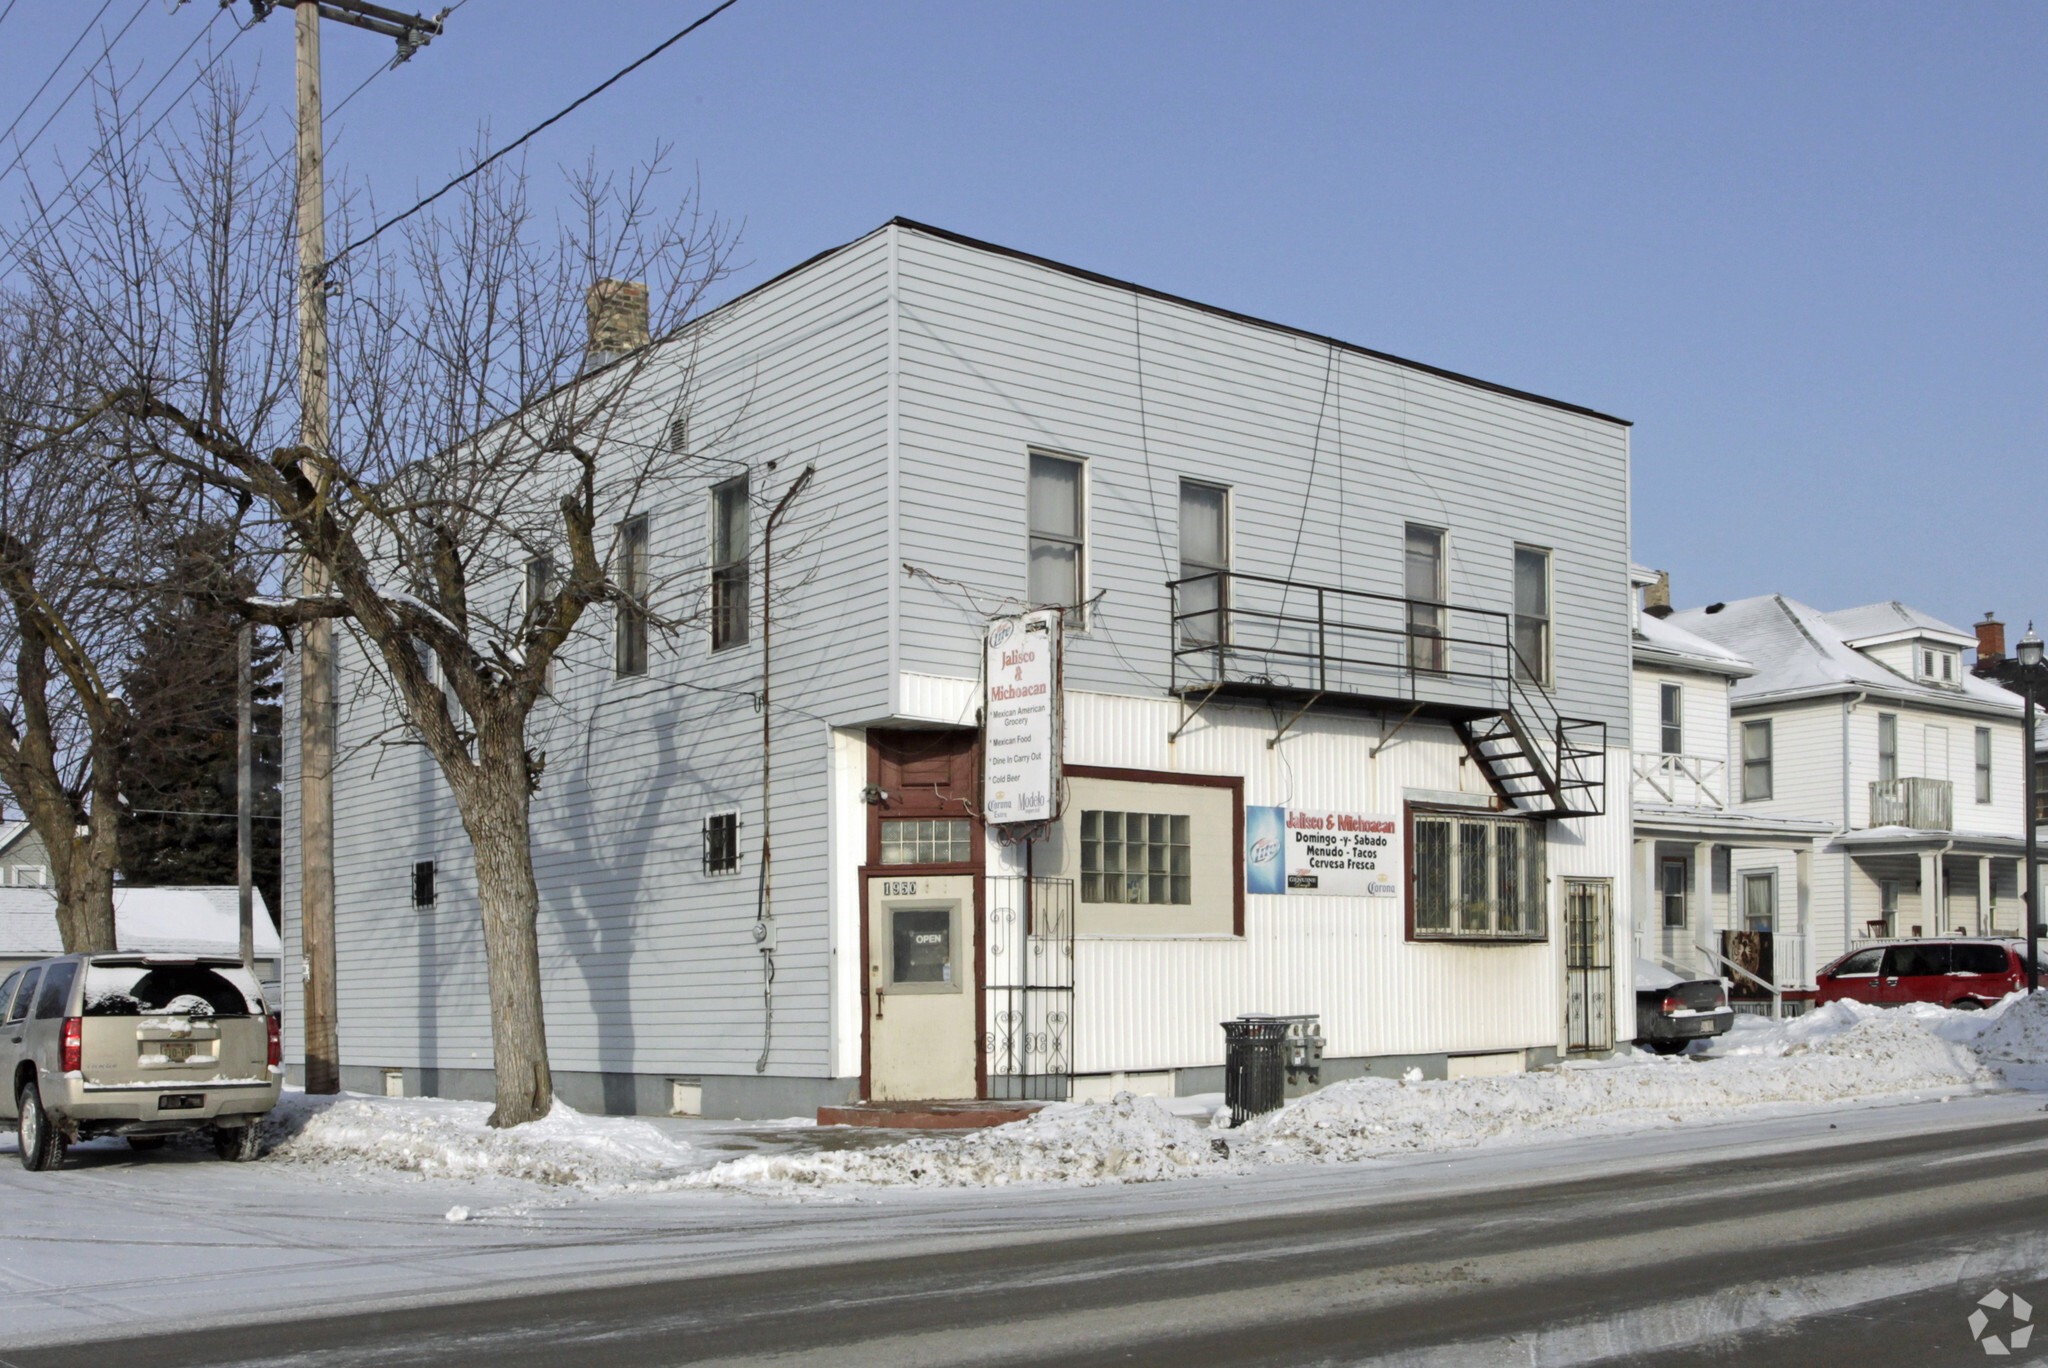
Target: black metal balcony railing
{"x": 1255, "y": 633}
{"x": 1923, "y": 804}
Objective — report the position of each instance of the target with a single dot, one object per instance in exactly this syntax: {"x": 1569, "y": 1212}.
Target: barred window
{"x": 1477, "y": 878}
{"x": 1136, "y": 857}
{"x": 721, "y": 843}
{"x": 927, "y": 840}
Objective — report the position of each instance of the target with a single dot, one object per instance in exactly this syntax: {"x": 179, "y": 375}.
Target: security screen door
{"x": 922, "y": 1042}
{"x": 1589, "y": 964}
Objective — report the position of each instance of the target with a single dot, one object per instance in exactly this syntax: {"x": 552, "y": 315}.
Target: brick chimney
{"x": 1657, "y": 596}
{"x": 618, "y": 320}
{"x": 1990, "y": 639}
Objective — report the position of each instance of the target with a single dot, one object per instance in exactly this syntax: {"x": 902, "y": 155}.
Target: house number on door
{"x": 899, "y": 888}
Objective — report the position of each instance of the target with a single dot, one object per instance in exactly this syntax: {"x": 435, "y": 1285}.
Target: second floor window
{"x": 1887, "y": 746}
{"x": 629, "y": 648}
{"x": 729, "y": 569}
{"x": 1055, "y": 512}
{"x": 1425, "y": 592}
{"x": 1671, "y": 718}
{"x": 1756, "y": 761}
{"x": 1673, "y": 873}
{"x": 1983, "y": 764}
{"x": 721, "y": 843}
{"x": 1532, "y": 615}
{"x": 540, "y": 592}
{"x": 1204, "y": 561}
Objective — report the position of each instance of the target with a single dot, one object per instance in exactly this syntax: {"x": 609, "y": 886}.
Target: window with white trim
{"x": 1671, "y": 718}
{"x": 1673, "y": 873}
{"x": 1532, "y": 615}
{"x": 1983, "y": 764}
{"x": 1204, "y": 562}
{"x": 1056, "y": 515}
{"x": 1477, "y": 877}
{"x": 1756, "y": 761}
{"x": 731, "y": 543}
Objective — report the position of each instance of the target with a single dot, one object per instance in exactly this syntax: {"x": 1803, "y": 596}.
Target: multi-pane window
{"x": 1477, "y": 877}
{"x": 721, "y": 843}
{"x": 1136, "y": 857}
{"x": 1983, "y": 764}
{"x": 927, "y": 840}
{"x": 1055, "y": 513}
{"x": 1671, "y": 718}
{"x": 629, "y": 648}
{"x": 1887, "y": 746}
{"x": 1532, "y": 615}
{"x": 1204, "y": 562}
{"x": 1756, "y": 761}
{"x": 1673, "y": 875}
{"x": 1760, "y": 901}
{"x": 1425, "y": 593}
{"x": 730, "y": 546}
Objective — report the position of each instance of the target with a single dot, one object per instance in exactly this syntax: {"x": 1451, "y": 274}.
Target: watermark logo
{"x": 2018, "y": 1310}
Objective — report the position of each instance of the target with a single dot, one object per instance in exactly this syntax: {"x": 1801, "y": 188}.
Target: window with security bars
{"x": 1477, "y": 878}
{"x": 927, "y": 840}
{"x": 1136, "y": 857}
{"x": 721, "y": 843}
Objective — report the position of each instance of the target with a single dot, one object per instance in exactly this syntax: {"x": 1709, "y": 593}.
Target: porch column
{"x": 1700, "y": 914}
{"x": 1983, "y": 895}
{"x": 1643, "y": 899}
{"x": 1802, "y": 879}
{"x": 1932, "y": 913}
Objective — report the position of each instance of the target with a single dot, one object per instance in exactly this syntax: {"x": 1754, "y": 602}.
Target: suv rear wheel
{"x": 238, "y": 1144}
{"x": 42, "y": 1144}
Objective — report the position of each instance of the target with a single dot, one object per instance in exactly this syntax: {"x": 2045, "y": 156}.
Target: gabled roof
{"x": 1658, "y": 641}
{"x": 1800, "y": 652}
{"x": 1893, "y": 619}
{"x": 194, "y": 920}
{"x": 10, "y": 832}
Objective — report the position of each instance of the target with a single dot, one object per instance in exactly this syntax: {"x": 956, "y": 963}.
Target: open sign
{"x": 926, "y": 938}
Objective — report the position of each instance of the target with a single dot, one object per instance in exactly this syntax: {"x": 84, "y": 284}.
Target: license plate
{"x": 180, "y": 1101}
{"x": 177, "y": 1051}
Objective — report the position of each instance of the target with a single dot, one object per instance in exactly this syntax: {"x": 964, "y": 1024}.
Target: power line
{"x": 9, "y": 130}
{"x": 106, "y": 54}
{"x": 9, "y": 10}
{"x": 536, "y": 129}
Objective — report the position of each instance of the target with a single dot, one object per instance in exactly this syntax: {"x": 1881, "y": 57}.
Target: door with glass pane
{"x": 1589, "y": 965}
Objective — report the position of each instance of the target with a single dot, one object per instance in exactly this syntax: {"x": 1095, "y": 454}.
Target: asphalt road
{"x": 1871, "y": 1252}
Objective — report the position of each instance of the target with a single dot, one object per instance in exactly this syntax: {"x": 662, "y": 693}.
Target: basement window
{"x": 1476, "y": 878}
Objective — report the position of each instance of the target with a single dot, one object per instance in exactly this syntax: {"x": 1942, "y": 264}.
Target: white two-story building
{"x": 1316, "y": 598}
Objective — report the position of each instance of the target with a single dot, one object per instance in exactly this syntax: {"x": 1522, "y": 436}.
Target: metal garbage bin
{"x": 1254, "y": 1066}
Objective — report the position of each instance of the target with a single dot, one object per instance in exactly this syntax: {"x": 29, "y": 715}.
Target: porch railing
{"x": 1923, "y": 804}
{"x": 1682, "y": 780}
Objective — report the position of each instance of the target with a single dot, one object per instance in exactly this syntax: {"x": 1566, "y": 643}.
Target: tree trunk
{"x": 494, "y": 813}
{"x": 82, "y": 868}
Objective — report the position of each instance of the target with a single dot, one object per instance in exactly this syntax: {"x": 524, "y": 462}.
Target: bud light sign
{"x": 1335, "y": 854}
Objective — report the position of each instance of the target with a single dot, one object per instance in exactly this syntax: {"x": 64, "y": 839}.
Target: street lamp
{"x": 2024, "y": 676}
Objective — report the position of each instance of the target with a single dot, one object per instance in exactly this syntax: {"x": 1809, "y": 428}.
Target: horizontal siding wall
{"x": 1328, "y": 454}
{"x": 648, "y": 962}
{"x": 1156, "y": 1003}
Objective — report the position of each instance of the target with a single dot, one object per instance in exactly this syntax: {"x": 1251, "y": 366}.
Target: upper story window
{"x": 1057, "y": 524}
{"x": 1887, "y": 746}
{"x": 1756, "y": 761}
{"x": 1671, "y": 718}
{"x": 1938, "y": 667}
{"x": 1532, "y": 615}
{"x": 629, "y": 645}
{"x": 541, "y": 587}
{"x": 1204, "y": 561}
{"x": 1983, "y": 764}
{"x": 729, "y": 572}
{"x": 1425, "y": 591}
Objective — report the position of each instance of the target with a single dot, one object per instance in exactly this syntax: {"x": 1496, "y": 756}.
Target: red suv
{"x": 1966, "y": 974}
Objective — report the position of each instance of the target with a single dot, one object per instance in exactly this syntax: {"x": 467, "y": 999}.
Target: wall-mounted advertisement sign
{"x": 1334, "y": 854}
{"x": 1020, "y": 731}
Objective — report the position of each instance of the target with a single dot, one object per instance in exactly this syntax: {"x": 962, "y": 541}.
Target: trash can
{"x": 1254, "y": 1066}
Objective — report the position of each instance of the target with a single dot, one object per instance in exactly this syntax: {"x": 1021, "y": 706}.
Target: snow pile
{"x": 1127, "y": 1140}
{"x": 2013, "y": 1031}
{"x": 1370, "y": 1117}
{"x": 440, "y": 1139}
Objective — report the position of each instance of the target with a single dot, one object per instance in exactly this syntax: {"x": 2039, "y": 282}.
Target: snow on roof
{"x": 1659, "y": 639}
{"x": 197, "y": 920}
{"x": 1798, "y": 649}
{"x": 1890, "y": 618}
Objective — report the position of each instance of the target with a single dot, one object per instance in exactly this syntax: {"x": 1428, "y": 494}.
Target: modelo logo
{"x": 1265, "y": 850}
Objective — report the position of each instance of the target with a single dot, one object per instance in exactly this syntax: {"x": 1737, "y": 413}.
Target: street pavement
{"x": 1863, "y": 1236}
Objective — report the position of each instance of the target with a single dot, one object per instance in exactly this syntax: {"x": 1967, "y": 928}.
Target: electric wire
{"x": 538, "y": 128}
{"x": 9, "y": 130}
{"x": 106, "y": 55}
{"x": 9, "y": 10}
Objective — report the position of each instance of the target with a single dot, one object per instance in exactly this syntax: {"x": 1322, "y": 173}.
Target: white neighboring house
{"x": 1868, "y": 719}
{"x": 1690, "y": 832}
{"x": 191, "y": 920}
{"x": 23, "y": 861}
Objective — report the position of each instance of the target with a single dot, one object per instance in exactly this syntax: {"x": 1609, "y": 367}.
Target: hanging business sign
{"x": 1020, "y": 727}
{"x": 1334, "y": 854}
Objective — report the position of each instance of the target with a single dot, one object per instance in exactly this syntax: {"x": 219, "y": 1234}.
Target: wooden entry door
{"x": 1589, "y": 965}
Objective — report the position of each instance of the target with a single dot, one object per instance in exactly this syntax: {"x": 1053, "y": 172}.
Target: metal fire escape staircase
{"x": 1297, "y": 646}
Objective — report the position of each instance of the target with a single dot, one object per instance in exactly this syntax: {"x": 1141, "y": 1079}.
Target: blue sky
{"x": 1800, "y": 245}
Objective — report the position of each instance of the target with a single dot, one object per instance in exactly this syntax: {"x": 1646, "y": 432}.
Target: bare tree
{"x": 499, "y": 416}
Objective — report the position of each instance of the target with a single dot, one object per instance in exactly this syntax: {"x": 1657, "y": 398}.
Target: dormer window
{"x": 1938, "y": 667}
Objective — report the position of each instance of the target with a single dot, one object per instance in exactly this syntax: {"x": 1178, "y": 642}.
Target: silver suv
{"x": 141, "y": 1046}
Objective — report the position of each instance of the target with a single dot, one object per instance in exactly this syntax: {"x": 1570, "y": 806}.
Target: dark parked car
{"x": 1951, "y": 972}
{"x": 1672, "y": 1012}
